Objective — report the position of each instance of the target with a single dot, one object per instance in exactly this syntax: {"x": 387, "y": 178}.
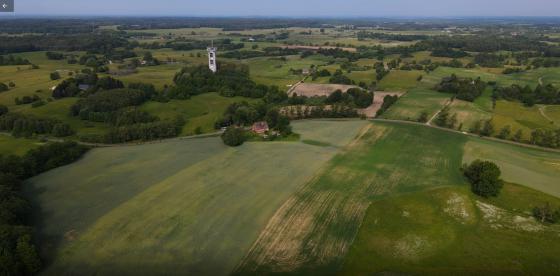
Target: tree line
{"x": 463, "y": 88}
{"x": 19, "y": 251}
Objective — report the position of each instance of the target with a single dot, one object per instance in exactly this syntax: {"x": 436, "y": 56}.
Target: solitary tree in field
{"x": 484, "y": 177}
{"x": 233, "y": 136}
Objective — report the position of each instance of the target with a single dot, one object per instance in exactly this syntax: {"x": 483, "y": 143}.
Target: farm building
{"x": 260, "y": 127}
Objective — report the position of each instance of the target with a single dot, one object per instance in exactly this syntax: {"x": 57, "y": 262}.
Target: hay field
{"x": 197, "y": 208}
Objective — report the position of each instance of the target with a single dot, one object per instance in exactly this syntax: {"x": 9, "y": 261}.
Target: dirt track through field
{"x": 315, "y": 227}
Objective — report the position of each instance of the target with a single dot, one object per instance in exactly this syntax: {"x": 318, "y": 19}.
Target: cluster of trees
{"x": 71, "y": 87}
{"x": 484, "y": 177}
{"x": 27, "y": 99}
{"x": 463, "y": 88}
{"x": 362, "y": 35}
{"x": 388, "y": 101}
{"x": 353, "y": 97}
{"x": 26, "y": 126}
{"x": 138, "y": 132}
{"x": 225, "y": 44}
{"x": 90, "y": 42}
{"x": 319, "y": 111}
{"x": 107, "y": 101}
{"x": 542, "y": 94}
{"x": 546, "y": 138}
{"x": 230, "y": 80}
{"x": 339, "y": 78}
{"x": 449, "y": 52}
{"x": 445, "y": 119}
{"x": 267, "y": 52}
{"x": 489, "y": 60}
{"x": 13, "y": 60}
{"x": 54, "y": 55}
{"x": 19, "y": 253}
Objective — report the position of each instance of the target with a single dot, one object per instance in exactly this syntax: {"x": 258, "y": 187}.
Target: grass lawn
{"x": 18, "y": 146}
{"x": 533, "y": 168}
{"x": 199, "y": 111}
{"x": 417, "y": 100}
{"x": 313, "y": 230}
{"x": 196, "y": 208}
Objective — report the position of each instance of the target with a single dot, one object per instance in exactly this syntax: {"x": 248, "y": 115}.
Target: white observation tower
{"x": 212, "y": 57}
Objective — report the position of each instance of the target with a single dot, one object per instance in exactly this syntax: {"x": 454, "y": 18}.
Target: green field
{"x": 533, "y": 168}
{"x": 313, "y": 230}
{"x": 417, "y": 100}
{"x": 449, "y": 231}
{"x": 196, "y": 208}
{"x": 399, "y": 80}
{"x": 199, "y": 111}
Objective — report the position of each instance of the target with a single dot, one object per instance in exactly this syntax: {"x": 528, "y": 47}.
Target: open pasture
{"x": 197, "y": 208}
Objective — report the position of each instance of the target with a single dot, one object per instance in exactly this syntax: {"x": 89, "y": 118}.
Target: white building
{"x": 212, "y": 58}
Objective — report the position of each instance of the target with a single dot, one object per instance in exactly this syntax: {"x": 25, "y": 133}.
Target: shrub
{"x": 233, "y": 136}
{"x": 484, "y": 177}
{"x": 3, "y": 109}
{"x": 546, "y": 214}
{"x": 55, "y": 76}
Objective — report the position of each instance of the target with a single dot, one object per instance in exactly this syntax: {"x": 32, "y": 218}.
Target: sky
{"x": 292, "y": 8}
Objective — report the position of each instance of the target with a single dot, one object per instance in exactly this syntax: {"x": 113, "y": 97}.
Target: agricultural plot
{"x": 313, "y": 230}
{"x": 197, "y": 208}
{"x": 450, "y": 231}
{"x": 201, "y": 111}
{"x": 539, "y": 170}
{"x": 417, "y": 100}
